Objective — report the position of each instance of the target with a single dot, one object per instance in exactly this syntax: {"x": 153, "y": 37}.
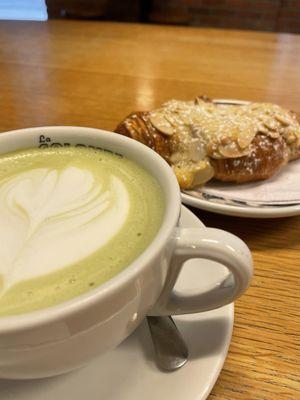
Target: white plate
{"x": 230, "y": 207}
{"x": 129, "y": 372}
{"x": 220, "y": 207}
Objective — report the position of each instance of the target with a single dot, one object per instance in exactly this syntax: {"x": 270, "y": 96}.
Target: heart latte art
{"x": 69, "y": 220}
{"x": 61, "y": 216}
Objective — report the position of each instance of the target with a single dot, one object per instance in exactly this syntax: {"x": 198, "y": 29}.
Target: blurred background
{"x": 263, "y": 15}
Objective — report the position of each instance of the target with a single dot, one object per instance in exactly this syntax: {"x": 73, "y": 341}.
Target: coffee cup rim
{"x": 170, "y": 187}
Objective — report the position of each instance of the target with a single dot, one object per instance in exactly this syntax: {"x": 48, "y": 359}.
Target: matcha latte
{"x": 70, "y": 219}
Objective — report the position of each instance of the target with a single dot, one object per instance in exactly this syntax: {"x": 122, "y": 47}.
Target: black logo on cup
{"x": 46, "y": 142}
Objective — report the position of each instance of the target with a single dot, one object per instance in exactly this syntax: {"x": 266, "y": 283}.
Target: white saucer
{"x": 220, "y": 206}
{"x": 201, "y": 199}
{"x": 129, "y": 371}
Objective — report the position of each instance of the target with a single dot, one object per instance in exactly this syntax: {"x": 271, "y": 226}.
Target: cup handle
{"x": 212, "y": 244}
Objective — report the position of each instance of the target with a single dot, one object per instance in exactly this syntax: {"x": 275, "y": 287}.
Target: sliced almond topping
{"x": 195, "y": 115}
{"x": 225, "y": 140}
{"x": 211, "y": 148}
{"x": 225, "y": 131}
{"x": 246, "y": 137}
{"x": 262, "y": 129}
{"x": 291, "y": 138}
{"x": 282, "y": 119}
{"x": 232, "y": 151}
{"x": 161, "y": 124}
{"x": 270, "y": 124}
{"x": 186, "y": 119}
{"x": 274, "y": 134}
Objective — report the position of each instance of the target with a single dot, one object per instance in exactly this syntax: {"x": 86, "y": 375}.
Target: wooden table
{"x": 94, "y": 74}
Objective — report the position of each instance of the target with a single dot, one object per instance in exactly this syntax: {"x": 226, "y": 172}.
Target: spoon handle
{"x": 170, "y": 348}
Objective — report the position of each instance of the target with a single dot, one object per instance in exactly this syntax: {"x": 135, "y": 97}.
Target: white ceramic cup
{"x": 63, "y": 337}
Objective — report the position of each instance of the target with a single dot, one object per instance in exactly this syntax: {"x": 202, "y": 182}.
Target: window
{"x": 23, "y": 10}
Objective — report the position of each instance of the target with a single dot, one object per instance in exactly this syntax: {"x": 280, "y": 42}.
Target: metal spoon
{"x": 170, "y": 348}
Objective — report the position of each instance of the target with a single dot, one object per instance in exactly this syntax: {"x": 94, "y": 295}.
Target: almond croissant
{"x": 201, "y": 139}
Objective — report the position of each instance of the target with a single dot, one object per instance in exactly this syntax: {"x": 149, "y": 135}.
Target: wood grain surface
{"x": 94, "y": 74}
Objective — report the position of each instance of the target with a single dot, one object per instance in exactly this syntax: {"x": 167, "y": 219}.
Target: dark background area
{"x": 264, "y": 15}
